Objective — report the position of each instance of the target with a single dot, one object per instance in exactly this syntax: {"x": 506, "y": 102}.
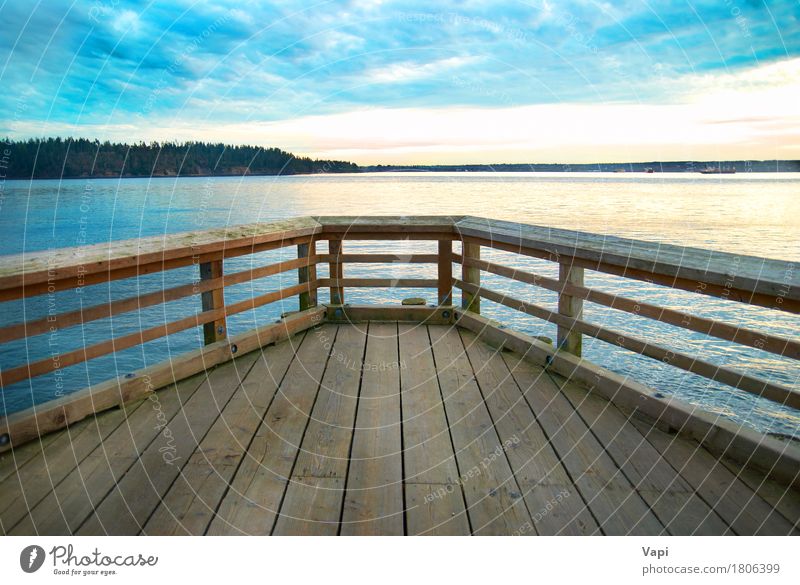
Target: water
{"x": 747, "y": 213}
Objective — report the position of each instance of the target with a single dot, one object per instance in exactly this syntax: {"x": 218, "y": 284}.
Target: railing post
{"x": 470, "y": 274}
{"x": 308, "y": 273}
{"x": 213, "y": 299}
{"x": 335, "y": 251}
{"x": 445, "y": 272}
{"x": 569, "y": 306}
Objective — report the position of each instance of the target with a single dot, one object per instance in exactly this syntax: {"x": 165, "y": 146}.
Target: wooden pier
{"x": 375, "y": 419}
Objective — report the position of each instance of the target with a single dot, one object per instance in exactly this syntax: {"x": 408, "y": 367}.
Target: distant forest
{"x": 54, "y": 158}
{"x": 72, "y": 158}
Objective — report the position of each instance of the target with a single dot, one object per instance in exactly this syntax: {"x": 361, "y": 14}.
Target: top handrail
{"x": 749, "y": 279}
{"x": 740, "y": 277}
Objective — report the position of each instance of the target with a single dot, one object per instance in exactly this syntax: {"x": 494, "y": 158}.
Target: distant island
{"x": 55, "y": 158}
{"x": 70, "y": 158}
{"x": 688, "y": 166}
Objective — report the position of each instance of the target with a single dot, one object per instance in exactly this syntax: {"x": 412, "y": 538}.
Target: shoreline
{"x": 635, "y": 173}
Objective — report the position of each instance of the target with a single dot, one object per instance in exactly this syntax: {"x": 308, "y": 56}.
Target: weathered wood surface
{"x": 56, "y": 414}
{"x": 62, "y": 263}
{"x": 213, "y": 299}
{"x": 569, "y": 339}
{"x": 314, "y": 497}
{"x": 256, "y": 493}
{"x": 722, "y": 437}
{"x": 407, "y": 313}
{"x": 335, "y": 284}
{"x": 740, "y": 275}
{"x": 494, "y": 499}
{"x": 90, "y": 475}
{"x": 573, "y": 327}
{"x": 374, "y": 498}
{"x": 434, "y": 497}
{"x": 357, "y": 225}
{"x": 736, "y": 333}
{"x": 415, "y": 429}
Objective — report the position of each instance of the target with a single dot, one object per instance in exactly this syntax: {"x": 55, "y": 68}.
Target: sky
{"x": 412, "y": 82}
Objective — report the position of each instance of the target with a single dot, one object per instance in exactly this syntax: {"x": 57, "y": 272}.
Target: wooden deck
{"x": 380, "y": 428}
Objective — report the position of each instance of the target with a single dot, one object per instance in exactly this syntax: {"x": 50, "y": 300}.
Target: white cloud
{"x": 751, "y": 114}
{"x": 408, "y": 71}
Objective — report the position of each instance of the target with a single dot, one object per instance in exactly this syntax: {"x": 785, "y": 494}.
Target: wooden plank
{"x": 437, "y": 507}
{"x": 135, "y": 496}
{"x": 736, "y": 503}
{"x": 469, "y": 274}
{"x": 733, "y": 276}
{"x": 568, "y": 338}
{"x": 378, "y": 283}
{"x": 216, "y": 315}
{"x": 251, "y": 504}
{"x": 615, "y": 504}
{"x": 749, "y": 447}
{"x": 335, "y": 271}
{"x": 83, "y": 354}
{"x": 445, "y": 272}
{"x": 769, "y": 390}
{"x": 83, "y": 280}
{"x": 63, "y": 263}
{"x": 307, "y": 274}
{"x": 189, "y": 505}
{"x": 72, "y": 500}
{"x": 373, "y": 502}
{"x": 399, "y": 313}
{"x": 411, "y": 224}
{"x": 56, "y": 414}
{"x": 391, "y": 235}
{"x": 735, "y": 333}
{"x": 784, "y": 499}
{"x": 382, "y": 258}
{"x": 555, "y": 505}
{"x": 88, "y": 314}
{"x": 311, "y": 507}
{"x": 213, "y": 299}
{"x": 315, "y": 507}
{"x": 36, "y": 479}
{"x": 700, "y": 287}
{"x": 494, "y": 499}
{"x": 670, "y": 497}
{"x": 13, "y": 460}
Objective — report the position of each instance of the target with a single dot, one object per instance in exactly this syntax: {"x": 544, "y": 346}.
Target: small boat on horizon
{"x": 718, "y": 171}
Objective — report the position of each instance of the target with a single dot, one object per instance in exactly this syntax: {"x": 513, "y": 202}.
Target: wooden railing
{"x": 756, "y": 281}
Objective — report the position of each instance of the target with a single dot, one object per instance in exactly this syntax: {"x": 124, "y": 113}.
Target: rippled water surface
{"x": 747, "y": 213}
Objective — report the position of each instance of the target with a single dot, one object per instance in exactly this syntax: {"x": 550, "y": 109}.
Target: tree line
{"x": 51, "y": 158}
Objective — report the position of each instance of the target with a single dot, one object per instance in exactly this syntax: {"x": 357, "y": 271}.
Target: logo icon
{"x": 31, "y": 558}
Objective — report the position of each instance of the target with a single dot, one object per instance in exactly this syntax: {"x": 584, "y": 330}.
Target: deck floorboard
{"x": 380, "y": 428}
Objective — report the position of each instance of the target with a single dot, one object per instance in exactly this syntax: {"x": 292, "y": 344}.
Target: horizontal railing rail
{"x": 756, "y": 281}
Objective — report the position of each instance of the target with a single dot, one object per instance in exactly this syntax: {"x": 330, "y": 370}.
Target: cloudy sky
{"x": 412, "y": 82}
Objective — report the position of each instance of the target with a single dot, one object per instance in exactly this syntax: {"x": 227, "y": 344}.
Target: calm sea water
{"x": 747, "y": 213}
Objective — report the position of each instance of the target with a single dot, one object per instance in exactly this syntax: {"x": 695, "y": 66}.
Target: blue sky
{"x": 376, "y": 81}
